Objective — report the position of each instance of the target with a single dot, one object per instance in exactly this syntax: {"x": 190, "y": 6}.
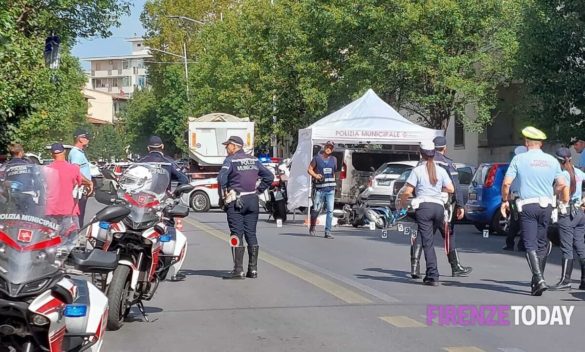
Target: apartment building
{"x": 120, "y": 75}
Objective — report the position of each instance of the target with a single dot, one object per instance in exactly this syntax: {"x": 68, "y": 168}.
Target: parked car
{"x": 356, "y": 165}
{"x": 465, "y": 178}
{"x": 484, "y": 198}
{"x": 485, "y": 195}
{"x": 381, "y": 182}
{"x": 204, "y": 196}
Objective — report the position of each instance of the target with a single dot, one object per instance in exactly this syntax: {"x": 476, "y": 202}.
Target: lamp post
{"x": 184, "y": 58}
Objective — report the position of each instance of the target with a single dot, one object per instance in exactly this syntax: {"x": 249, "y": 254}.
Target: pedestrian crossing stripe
{"x": 402, "y": 321}
{"x": 463, "y": 349}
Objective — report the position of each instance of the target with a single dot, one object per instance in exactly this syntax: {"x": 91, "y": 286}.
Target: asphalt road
{"x": 352, "y": 293}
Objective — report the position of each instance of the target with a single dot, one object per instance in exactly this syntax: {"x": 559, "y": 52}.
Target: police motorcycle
{"x": 277, "y": 196}
{"x": 149, "y": 246}
{"x": 43, "y": 305}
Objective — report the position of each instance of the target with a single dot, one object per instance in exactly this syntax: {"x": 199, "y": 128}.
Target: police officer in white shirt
{"x": 428, "y": 181}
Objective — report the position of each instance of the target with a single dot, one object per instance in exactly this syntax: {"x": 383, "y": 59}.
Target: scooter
{"x": 360, "y": 214}
{"x": 149, "y": 246}
{"x": 42, "y": 306}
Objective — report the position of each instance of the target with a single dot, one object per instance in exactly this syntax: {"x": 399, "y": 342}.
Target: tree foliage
{"x": 298, "y": 60}
{"x": 552, "y": 65}
{"x": 38, "y": 105}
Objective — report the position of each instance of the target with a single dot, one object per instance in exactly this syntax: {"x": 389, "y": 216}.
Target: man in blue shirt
{"x": 77, "y": 156}
{"x": 238, "y": 179}
{"x": 322, "y": 170}
{"x": 536, "y": 172}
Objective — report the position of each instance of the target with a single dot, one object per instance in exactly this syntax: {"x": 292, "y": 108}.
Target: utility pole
{"x": 273, "y": 138}
{"x": 184, "y": 57}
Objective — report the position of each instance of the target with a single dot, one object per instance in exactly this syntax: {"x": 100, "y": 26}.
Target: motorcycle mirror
{"x": 372, "y": 169}
{"x": 178, "y": 211}
{"x": 361, "y": 188}
{"x": 338, "y": 213}
{"x": 113, "y": 213}
{"x": 183, "y": 189}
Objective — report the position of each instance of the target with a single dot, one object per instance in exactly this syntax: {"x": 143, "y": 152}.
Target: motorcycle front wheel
{"x": 118, "y": 292}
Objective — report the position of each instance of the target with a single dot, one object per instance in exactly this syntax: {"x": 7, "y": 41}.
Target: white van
{"x": 355, "y": 165}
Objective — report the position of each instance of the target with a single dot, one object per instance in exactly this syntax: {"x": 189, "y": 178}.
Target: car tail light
{"x": 491, "y": 176}
{"x": 343, "y": 174}
{"x": 212, "y": 186}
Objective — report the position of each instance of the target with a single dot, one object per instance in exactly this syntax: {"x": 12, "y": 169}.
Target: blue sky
{"x": 114, "y": 45}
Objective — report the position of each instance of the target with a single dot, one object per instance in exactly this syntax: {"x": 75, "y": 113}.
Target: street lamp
{"x": 184, "y": 56}
{"x": 188, "y": 19}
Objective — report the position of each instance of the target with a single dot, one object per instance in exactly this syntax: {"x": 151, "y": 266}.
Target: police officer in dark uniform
{"x": 237, "y": 178}
{"x": 537, "y": 173}
{"x": 428, "y": 182}
{"x": 155, "y": 155}
{"x": 455, "y": 205}
{"x": 19, "y": 173}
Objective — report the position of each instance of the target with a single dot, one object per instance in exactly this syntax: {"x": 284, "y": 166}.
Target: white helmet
{"x": 137, "y": 178}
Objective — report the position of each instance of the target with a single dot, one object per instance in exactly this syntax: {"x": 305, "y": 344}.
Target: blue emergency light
{"x": 75, "y": 310}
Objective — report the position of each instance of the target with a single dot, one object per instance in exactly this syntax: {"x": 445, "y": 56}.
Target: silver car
{"x": 381, "y": 182}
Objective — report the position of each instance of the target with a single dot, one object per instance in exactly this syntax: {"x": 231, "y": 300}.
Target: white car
{"x": 204, "y": 196}
{"x": 381, "y": 182}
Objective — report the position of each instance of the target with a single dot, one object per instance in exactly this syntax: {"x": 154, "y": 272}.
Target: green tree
{"x": 38, "y": 105}
{"x": 108, "y": 141}
{"x": 298, "y": 60}
{"x": 551, "y": 66}
{"x": 139, "y": 120}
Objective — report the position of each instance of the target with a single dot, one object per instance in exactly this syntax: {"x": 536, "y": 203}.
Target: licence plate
{"x": 472, "y": 196}
{"x": 278, "y": 195}
{"x": 384, "y": 183}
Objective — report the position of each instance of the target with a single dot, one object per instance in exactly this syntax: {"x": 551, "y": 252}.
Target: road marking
{"x": 463, "y": 349}
{"x": 343, "y": 293}
{"x": 402, "y": 321}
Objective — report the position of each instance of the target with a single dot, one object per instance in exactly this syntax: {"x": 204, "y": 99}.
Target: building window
{"x": 125, "y": 64}
{"x": 459, "y": 134}
{"x": 126, "y": 81}
{"x": 141, "y": 81}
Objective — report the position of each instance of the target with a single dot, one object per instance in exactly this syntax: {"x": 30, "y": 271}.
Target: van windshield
{"x": 364, "y": 161}
{"x": 393, "y": 169}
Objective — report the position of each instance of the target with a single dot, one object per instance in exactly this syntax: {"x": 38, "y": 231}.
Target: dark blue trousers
{"x": 534, "y": 222}
{"x": 429, "y": 218}
{"x": 242, "y": 218}
{"x": 572, "y": 235}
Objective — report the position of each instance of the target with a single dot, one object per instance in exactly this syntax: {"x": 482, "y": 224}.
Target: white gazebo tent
{"x": 366, "y": 120}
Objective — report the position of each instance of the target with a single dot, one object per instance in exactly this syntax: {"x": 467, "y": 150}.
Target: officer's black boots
{"x": 566, "y": 271}
{"x": 238, "y": 272}
{"x": 582, "y": 262}
{"x": 252, "y": 262}
{"x": 538, "y": 284}
{"x": 456, "y": 268}
{"x": 415, "y": 253}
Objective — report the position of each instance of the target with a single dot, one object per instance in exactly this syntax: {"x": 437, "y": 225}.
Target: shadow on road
{"x": 392, "y": 275}
{"x": 404, "y": 277}
{"x": 211, "y": 273}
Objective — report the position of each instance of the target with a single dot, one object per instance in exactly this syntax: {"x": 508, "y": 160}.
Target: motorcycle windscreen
{"x": 144, "y": 187}
{"x": 33, "y": 246}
